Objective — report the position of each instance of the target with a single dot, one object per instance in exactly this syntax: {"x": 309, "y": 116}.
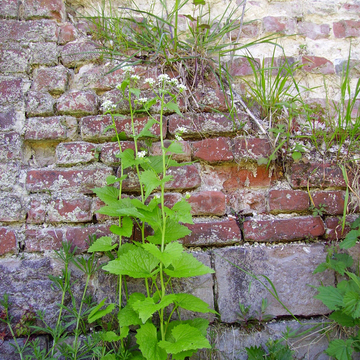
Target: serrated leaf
{"x": 127, "y": 316}
{"x": 121, "y": 207}
{"x": 173, "y": 107}
{"x": 137, "y": 263}
{"x": 171, "y": 253}
{"x": 193, "y": 303}
{"x": 149, "y": 104}
{"x": 125, "y": 229}
{"x": 109, "y": 357}
{"x": 183, "y": 211}
{"x": 145, "y": 132}
{"x": 188, "y": 266}
{"x": 134, "y": 91}
{"x": 356, "y": 223}
{"x": 102, "y": 244}
{"x": 127, "y": 158}
{"x": 110, "y": 336}
{"x": 330, "y": 296}
{"x": 340, "y": 349}
{"x": 352, "y": 304}
{"x": 124, "y": 84}
{"x": 321, "y": 267}
{"x": 173, "y": 231}
{"x": 186, "y": 338}
{"x": 111, "y": 179}
{"x": 147, "y": 340}
{"x": 151, "y": 181}
{"x": 340, "y": 262}
{"x": 125, "y": 248}
{"x": 175, "y": 148}
{"x": 96, "y": 313}
{"x": 350, "y": 239}
{"x": 255, "y": 353}
{"x": 107, "y": 194}
{"x": 147, "y": 307}
{"x": 343, "y": 319}
{"x": 182, "y": 355}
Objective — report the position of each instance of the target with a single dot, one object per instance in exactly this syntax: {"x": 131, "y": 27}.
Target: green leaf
{"x": 102, "y": 244}
{"x": 111, "y": 179}
{"x": 155, "y": 163}
{"x": 109, "y": 357}
{"x": 343, "y": 319}
{"x": 321, "y": 267}
{"x": 108, "y": 128}
{"x": 330, "y": 296}
{"x": 186, "y": 338}
{"x": 183, "y": 211}
{"x": 134, "y": 91}
{"x": 124, "y": 84}
{"x": 171, "y": 253}
{"x": 110, "y": 336}
{"x": 173, "y": 231}
{"x": 125, "y": 248}
{"x": 255, "y": 353}
{"x": 96, "y": 313}
{"x": 151, "y": 181}
{"x": 188, "y": 266}
{"x": 352, "y": 304}
{"x": 173, "y": 107}
{"x": 190, "y": 17}
{"x": 107, "y": 194}
{"x": 127, "y": 316}
{"x": 340, "y": 349}
{"x": 149, "y": 104}
{"x": 193, "y": 303}
{"x": 125, "y": 229}
{"x": 350, "y": 239}
{"x": 340, "y": 262}
{"x": 145, "y": 132}
{"x": 137, "y": 263}
{"x": 175, "y": 148}
{"x": 147, "y": 340}
{"x": 127, "y": 158}
{"x": 355, "y": 224}
{"x": 296, "y": 155}
{"x": 145, "y": 308}
{"x": 121, "y": 207}
{"x": 199, "y": 2}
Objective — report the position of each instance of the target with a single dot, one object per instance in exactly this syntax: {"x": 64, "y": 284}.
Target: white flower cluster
{"x": 128, "y": 69}
{"x": 181, "y": 129}
{"x": 142, "y": 100}
{"x": 141, "y": 154}
{"x": 108, "y": 105}
{"x": 178, "y": 137}
{"x": 135, "y": 77}
{"x": 150, "y": 81}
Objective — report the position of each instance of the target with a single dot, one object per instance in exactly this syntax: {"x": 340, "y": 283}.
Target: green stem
{"x": 176, "y": 25}
{"x": 13, "y": 336}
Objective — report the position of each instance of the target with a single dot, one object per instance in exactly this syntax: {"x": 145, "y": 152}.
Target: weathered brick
{"x": 74, "y": 209}
{"x": 42, "y": 239}
{"x": 207, "y": 203}
{"x": 250, "y": 148}
{"x": 241, "y": 67}
{"x": 346, "y": 28}
{"x": 9, "y": 174}
{"x": 109, "y": 151}
{"x": 78, "y": 103}
{"x": 75, "y": 153}
{"x": 14, "y": 61}
{"x": 11, "y": 146}
{"x": 11, "y": 91}
{"x": 77, "y": 53}
{"x": 7, "y": 241}
{"x": 334, "y": 227}
{"x": 37, "y": 210}
{"x": 64, "y": 180}
{"x": 9, "y": 9}
{"x": 317, "y": 65}
{"x": 295, "y": 263}
{"x": 288, "y": 201}
{"x": 212, "y": 150}
{"x": 213, "y": 233}
{"x": 8, "y": 120}
{"x": 279, "y": 229}
{"x": 39, "y": 104}
{"x": 67, "y": 33}
{"x": 280, "y": 24}
{"x": 54, "y": 80}
{"x": 334, "y": 201}
{"x": 49, "y": 9}
{"x": 342, "y": 66}
{"x": 33, "y": 30}
{"x": 92, "y": 127}
{"x": 211, "y": 99}
{"x": 317, "y": 174}
{"x": 314, "y": 31}
{"x": 247, "y": 201}
{"x": 352, "y": 8}
{"x": 44, "y": 53}
{"x": 197, "y": 124}
{"x": 185, "y": 156}
{"x": 11, "y": 208}
{"x": 249, "y": 30}
{"x": 52, "y": 128}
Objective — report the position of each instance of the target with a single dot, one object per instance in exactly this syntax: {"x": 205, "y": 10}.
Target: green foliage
{"x": 273, "y": 350}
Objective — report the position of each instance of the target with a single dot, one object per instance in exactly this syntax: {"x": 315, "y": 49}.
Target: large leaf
{"x": 330, "y": 296}
{"x": 121, "y": 207}
{"x": 173, "y": 231}
{"x": 350, "y": 239}
{"x": 107, "y": 194}
{"x": 96, "y": 313}
{"x": 173, "y": 107}
{"x": 128, "y": 158}
{"x": 186, "y": 338}
{"x": 151, "y": 181}
{"x": 188, "y": 266}
{"x": 175, "y": 148}
{"x": 137, "y": 263}
{"x": 340, "y": 349}
{"x": 147, "y": 340}
{"x": 255, "y": 353}
{"x": 172, "y": 252}
{"x": 111, "y": 179}
{"x": 352, "y": 304}
{"x": 193, "y": 303}
{"x": 110, "y": 336}
{"x": 183, "y": 212}
{"x": 127, "y": 316}
{"x": 102, "y": 244}
{"x": 343, "y": 319}
{"x": 125, "y": 229}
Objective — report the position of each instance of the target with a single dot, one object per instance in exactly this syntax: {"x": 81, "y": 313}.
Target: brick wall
{"x": 53, "y": 152}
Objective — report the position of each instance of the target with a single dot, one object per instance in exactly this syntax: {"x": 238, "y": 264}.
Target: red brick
{"x": 346, "y": 28}
{"x": 10, "y": 146}
{"x": 109, "y": 150}
{"x": 334, "y": 201}
{"x": 79, "y": 236}
{"x": 14, "y": 60}
{"x": 249, "y": 30}
{"x": 11, "y": 208}
{"x": 44, "y": 53}
{"x": 250, "y": 148}
{"x": 92, "y": 127}
{"x": 207, "y": 203}
{"x": 78, "y": 103}
{"x": 54, "y": 80}
{"x": 37, "y": 211}
{"x": 67, "y": 33}
{"x": 11, "y": 91}
{"x": 317, "y": 65}
{"x": 198, "y": 124}
{"x": 7, "y": 120}
{"x": 318, "y": 175}
{"x": 50, "y": 9}
{"x": 298, "y": 228}
{"x": 352, "y": 8}
{"x": 43, "y": 239}
{"x": 25, "y": 31}
{"x": 211, "y": 99}
{"x": 9, "y": 9}
{"x": 7, "y": 241}
{"x": 75, "y": 153}
{"x": 212, "y": 233}
{"x": 334, "y": 227}
{"x": 288, "y": 201}
{"x": 77, "y": 53}
{"x": 245, "y": 201}
{"x": 39, "y": 104}
{"x": 241, "y": 67}
{"x": 212, "y": 150}
{"x": 75, "y": 209}
{"x": 280, "y": 24}
{"x": 52, "y": 128}
{"x": 314, "y": 31}
{"x": 185, "y": 156}
{"x": 59, "y": 180}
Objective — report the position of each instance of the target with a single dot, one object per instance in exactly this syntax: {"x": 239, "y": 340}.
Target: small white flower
{"x": 141, "y": 154}
{"x": 156, "y": 196}
{"x": 178, "y": 137}
{"x": 187, "y": 195}
{"x": 135, "y": 77}
{"x": 142, "y": 100}
{"x": 128, "y": 69}
{"x": 150, "y": 81}
{"x": 181, "y": 129}
{"x": 181, "y": 87}
{"x": 107, "y": 105}
{"x": 163, "y": 77}
{"x": 174, "y": 82}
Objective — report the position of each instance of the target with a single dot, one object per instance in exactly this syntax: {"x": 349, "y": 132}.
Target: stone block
{"x": 79, "y": 52}
{"x": 11, "y": 208}
{"x": 74, "y": 153}
{"x": 77, "y": 103}
{"x": 10, "y": 146}
{"x": 54, "y": 80}
{"x": 44, "y": 53}
{"x": 8, "y": 242}
{"x": 314, "y": 31}
{"x": 39, "y": 104}
{"x": 48, "y": 9}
